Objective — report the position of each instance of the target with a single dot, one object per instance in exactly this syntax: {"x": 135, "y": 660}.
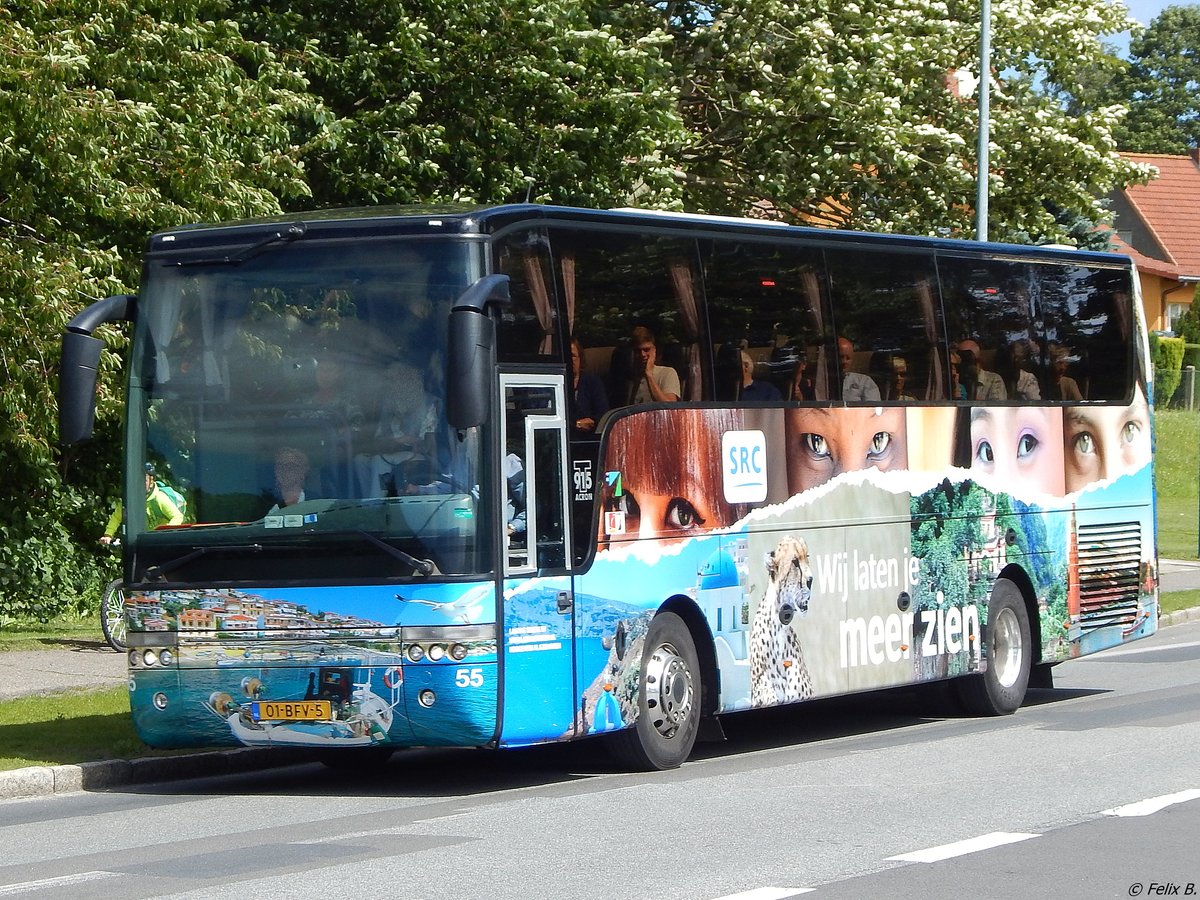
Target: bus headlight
{"x": 166, "y": 657}
{"x": 436, "y": 652}
{"x": 150, "y": 657}
{"x": 458, "y": 652}
{"x": 416, "y": 652}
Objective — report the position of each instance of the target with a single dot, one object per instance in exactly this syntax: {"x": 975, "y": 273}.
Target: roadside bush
{"x": 1167, "y": 356}
{"x": 48, "y": 565}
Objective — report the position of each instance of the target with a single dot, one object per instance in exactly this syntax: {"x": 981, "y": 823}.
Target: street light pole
{"x": 985, "y": 83}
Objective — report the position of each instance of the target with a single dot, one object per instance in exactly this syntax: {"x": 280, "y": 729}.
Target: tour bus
{"x": 495, "y": 477}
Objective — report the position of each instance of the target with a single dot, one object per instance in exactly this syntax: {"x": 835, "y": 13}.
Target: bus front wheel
{"x": 668, "y": 700}
{"x": 1000, "y": 690}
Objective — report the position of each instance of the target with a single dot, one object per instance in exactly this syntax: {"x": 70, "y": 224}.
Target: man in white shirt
{"x": 855, "y": 385}
{"x": 986, "y": 385}
{"x": 652, "y": 383}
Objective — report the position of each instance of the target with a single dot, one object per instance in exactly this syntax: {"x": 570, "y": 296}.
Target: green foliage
{"x": 1187, "y": 326}
{"x": 1162, "y": 85}
{"x": 1166, "y": 353}
{"x": 118, "y": 119}
{"x": 115, "y": 119}
{"x": 842, "y": 114}
{"x": 450, "y": 100}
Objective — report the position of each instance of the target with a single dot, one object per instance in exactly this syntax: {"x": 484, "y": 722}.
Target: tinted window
{"x": 1088, "y": 322}
{"x": 768, "y": 301}
{"x": 994, "y": 303}
{"x": 528, "y": 329}
{"x": 885, "y": 303}
{"x": 614, "y": 282}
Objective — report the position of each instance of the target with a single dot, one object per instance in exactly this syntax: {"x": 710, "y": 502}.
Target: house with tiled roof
{"x": 1158, "y": 224}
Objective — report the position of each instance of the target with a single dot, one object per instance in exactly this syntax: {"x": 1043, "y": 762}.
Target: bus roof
{"x": 462, "y": 219}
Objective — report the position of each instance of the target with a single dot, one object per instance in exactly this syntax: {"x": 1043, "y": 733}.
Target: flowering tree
{"x": 862, "y": 114}
{"x": 115, "y": 119}
{"x": 461, "y": 100}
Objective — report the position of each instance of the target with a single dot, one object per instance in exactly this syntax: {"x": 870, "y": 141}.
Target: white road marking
{"x": 961, "y": 848}
{"x": 1153, "y": 805}
{"x": 351, "y": 835}
{"x": 767, "y": 893}
{"x": 60, "y": 881}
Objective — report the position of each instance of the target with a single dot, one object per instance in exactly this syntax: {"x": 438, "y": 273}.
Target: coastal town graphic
{"x": 234, "y": 612}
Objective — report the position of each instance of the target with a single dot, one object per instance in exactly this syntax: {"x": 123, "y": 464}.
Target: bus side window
{"x": 1088, "y": 332}
{"x": 613, "y": 282}
{"x": 885, "y": 302}
{"x": 528, "y": 327}
{"x": 769, "y": 300}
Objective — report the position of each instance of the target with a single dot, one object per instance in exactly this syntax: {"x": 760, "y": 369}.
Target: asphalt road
{"x": 94, "y": 664}
{"x": 883, "y": 794}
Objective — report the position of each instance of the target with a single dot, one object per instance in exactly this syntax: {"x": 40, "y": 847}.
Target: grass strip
{"x": 1176, "y": 482}
{"x": 65, "y": 632}
{"x": 1177, "y": 600}
{"x": 68, "y": 728}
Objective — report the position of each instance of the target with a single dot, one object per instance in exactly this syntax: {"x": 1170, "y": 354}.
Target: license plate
{"x": 291, "y": 710}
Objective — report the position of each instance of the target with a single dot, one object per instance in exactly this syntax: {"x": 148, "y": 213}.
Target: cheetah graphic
{"x": 777, "y": 670}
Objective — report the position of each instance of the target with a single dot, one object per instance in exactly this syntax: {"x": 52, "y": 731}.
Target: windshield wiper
{"x": 158, "y": 573}
{"x": 420, "y": 566}
{"x": 294, "y": 232}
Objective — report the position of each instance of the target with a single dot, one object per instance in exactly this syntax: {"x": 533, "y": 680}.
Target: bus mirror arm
{"x": 471, "y": 356}
{"x": 80, "y": 363}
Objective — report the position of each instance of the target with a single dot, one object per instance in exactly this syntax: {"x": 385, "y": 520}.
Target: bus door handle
{"x": 565, "y": 602}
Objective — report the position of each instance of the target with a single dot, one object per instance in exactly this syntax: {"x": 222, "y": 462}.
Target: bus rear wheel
{"x": 668, "y": 700}
{"x": 1000, "y": 690}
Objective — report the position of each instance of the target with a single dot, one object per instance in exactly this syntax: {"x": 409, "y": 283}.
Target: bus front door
{"x": 538, "y": 601}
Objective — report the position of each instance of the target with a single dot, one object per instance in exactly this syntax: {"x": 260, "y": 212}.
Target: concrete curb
{"x": 37, "y": 781}
{"x": 1191, "y": 614}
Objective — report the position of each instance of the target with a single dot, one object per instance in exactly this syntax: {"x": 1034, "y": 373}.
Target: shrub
{"x": 1167, "y": 355}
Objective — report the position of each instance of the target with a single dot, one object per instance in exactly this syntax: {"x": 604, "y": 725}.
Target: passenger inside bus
{"x": 980, "y": 384}
{"x": 591, "y": 400}
{"x": 401, "y": 443}
{"x": 959, "y": 389}
{"x": 1013, "y": 362}
{"x": 753, "y": 389}
{"x": 1061, "y": 386}
{"x": 650, "y": 382}
{"x": 890, "y": 373}
{"x": 291, "y": 475}
{"x": 856, "y": 387}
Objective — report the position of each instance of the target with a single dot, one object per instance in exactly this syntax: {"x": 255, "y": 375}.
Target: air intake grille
{"x": 1109, "y": 560}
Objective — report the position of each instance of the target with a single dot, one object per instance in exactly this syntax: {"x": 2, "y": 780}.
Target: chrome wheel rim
{"x": 670, "y": 690}
{"x": 1007, "y": 649}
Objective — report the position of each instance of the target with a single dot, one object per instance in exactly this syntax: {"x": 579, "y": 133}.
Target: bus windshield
{"x": 287, "y": 403}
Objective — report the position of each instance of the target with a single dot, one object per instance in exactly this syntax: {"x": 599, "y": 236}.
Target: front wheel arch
{"x": 702, "y": 637}
{"x": 670, "y": 689}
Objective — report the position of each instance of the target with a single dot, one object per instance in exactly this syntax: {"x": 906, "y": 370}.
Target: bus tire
{"x": 112, "y": 616}
{"x": 1000, "y": 689}
{"x": 668, "y": 700}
